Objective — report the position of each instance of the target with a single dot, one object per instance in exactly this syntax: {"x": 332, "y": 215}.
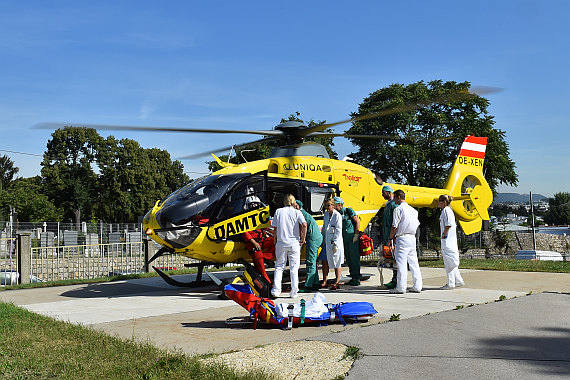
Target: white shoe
{"x": 458, "y": 285}
{"x": 293, "y": 295}
{"x": 414, "y": 290}
{"x": 275, "y": 294}
{"x": 396, "y": 291}
{"x": 447, "y": 287}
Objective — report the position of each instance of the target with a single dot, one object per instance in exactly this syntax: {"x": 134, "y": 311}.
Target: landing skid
{"x": 192, "y": 284}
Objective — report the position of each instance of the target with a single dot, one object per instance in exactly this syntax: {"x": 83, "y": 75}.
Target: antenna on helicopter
{"x": 230, "y": 155}
{"x": 245, "y": 150}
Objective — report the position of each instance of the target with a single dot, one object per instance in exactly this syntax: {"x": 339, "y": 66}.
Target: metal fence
{"x": 428, "y": 246}
{"x": 119, "y": 249}
{"x": 84, "y": 261}
{"x": 56, "y": 233}
{"x": 8, "y": 261}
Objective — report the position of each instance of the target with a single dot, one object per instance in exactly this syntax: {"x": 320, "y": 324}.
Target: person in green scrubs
{"x": 313, "y": 240}
{"x": 350, "y": 236}
{"x": 388, "y": 194}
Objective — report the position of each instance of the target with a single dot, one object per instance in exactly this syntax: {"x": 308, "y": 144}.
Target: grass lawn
{"x": 38, "y": 347}
{"x": 505, "y": 265}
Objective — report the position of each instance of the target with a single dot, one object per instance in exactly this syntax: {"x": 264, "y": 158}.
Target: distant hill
{"x": 517, "y": 198}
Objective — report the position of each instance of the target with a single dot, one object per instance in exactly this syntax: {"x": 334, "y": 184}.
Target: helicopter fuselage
{"x": 205, "y": 219}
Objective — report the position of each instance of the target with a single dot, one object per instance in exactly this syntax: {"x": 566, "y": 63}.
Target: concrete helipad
{"x": 193, "y": 320}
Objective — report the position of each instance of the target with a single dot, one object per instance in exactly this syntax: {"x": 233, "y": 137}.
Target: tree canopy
{"x": 67, "y": 171}
{"x": 430, "y": 125}
{"x": 7, "y": 172}
{"x": 262, "y": 151}
{"x": 26, "y": 196}
{"x": 88, "y": 177}
{"x": 559, "y": 211}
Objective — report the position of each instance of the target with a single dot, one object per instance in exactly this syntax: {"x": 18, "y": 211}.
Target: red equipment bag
{"x": 366, "y": 245}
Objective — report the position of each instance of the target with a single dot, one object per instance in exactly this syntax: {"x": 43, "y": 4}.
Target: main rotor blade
{"x": 473, "y": 91}
{"x": 51, "y": 125}
{"x": 378, "y": 137}
{"x": 237, "y": 146}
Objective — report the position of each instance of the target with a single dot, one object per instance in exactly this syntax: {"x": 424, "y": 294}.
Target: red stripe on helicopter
{"x": 473, "y": 147}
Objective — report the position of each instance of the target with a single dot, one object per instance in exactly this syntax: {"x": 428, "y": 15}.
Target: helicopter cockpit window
{"x": 317, "y": 197}
{"x": 248, "y": 195}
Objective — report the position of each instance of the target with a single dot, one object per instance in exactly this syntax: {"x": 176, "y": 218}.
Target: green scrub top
{"x": 347, "y": 224}
{"x": 387, "y": 219}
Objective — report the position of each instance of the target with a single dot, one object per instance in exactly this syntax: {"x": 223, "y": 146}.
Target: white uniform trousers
{"x": 282, "y": 253}
{"x": 451, "y": 263}
{"x": 405, "y": 253}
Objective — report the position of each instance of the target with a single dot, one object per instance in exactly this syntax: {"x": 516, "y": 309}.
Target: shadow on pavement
{"x": 122, "y": 289}
{"x": 547, "y": 354}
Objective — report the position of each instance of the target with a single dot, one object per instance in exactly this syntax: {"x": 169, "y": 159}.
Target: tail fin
{"x": 468, "y": 187}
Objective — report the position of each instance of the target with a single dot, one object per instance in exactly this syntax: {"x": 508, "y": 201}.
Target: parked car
{"x": 10, "y": 277}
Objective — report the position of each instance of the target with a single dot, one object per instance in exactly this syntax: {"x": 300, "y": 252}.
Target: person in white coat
{"x": 404, "y": 226}
{"x": 449, "y": 249}
{"x": 290, "y": 232}
{"x": 334, "y": 245}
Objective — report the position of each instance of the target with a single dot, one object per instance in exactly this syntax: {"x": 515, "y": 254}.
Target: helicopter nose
{"x": 149, "y": 221}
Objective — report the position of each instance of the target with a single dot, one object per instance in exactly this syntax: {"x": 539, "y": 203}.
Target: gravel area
{"x": 311, "y": 360}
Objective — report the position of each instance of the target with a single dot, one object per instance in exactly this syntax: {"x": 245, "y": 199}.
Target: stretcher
{"x": 287, "y": 315}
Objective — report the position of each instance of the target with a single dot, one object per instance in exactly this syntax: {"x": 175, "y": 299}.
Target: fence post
{"x": 24, "y": 258}
{"x": 148, "y": 252}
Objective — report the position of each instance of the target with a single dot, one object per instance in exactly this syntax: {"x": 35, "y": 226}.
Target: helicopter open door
{"x": 310, "y": 193}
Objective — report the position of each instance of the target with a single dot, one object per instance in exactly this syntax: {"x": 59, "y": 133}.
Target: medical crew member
{"x": 404, "y": 226}
{"x": 350, "y": 237}
{"x": 290, "y": 230}
{"x": 313, "y": 241}
{"x": 333, "y": 241}
{"x": 449, "y": 249}
{"x": 259, "y": 243}
{"x": 387, "y": 217}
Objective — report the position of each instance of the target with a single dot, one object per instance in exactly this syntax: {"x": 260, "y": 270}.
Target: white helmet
{"x": 251, "y": 202}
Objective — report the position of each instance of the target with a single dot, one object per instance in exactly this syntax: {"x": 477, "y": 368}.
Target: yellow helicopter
{"x": 206, "y": 218}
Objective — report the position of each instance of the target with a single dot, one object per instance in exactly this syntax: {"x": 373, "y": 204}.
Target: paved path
{"x": 522, "y": 338}
{"x": 194, "y": 320}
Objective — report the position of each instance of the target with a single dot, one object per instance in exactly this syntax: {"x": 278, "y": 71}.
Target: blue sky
{"x": 245, "y": 65}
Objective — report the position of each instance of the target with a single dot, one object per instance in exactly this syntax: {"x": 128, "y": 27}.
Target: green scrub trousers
{"x": 311, "y": 254}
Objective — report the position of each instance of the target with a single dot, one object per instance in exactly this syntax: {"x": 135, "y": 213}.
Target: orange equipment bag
{"x": 366, "y": 245}
{"x": 388, "y": 252}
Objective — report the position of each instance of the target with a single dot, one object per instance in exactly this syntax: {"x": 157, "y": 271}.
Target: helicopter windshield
{"x": 195, "y": 200}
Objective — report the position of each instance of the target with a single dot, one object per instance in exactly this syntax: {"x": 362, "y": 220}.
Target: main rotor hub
{"x": 293, "y": 131}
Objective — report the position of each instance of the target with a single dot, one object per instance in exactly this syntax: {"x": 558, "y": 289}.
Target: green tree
{"x": 7, "y": 171}
{"x": 262, "y": 151}
{"x": 422, "y": 154}
{"x": 26, "y": 197}
{"x": 559, "y": 210}
{"x": 68, "y": 171}
{"x": 428, "y": 123}
{"x": 132, "y": 179}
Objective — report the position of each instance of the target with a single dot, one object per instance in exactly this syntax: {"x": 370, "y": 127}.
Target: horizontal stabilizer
{"x": 482, "y": 196}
